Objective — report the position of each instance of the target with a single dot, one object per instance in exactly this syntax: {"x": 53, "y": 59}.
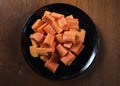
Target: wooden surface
{"x": 105, "y": 70}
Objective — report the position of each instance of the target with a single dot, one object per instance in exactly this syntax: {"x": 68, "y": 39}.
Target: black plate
{"x": 83, "y": 60}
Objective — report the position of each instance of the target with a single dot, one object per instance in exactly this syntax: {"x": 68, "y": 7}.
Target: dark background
{"x": 105, "y": 70}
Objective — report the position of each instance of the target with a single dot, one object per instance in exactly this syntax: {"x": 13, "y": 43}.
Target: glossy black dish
{"x": 82, "y": 61}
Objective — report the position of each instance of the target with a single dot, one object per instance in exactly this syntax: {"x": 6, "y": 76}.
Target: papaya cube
{"x": 48, "y": 18}
{"x": 68, "y": 59}
{"x": 37, "y": 24}
{"x": 59, "y": 38}
{"x": 37, "y": 37}
{"x": 62, "y": 51}
{"x": 49, "y": 29}
{"x": 63, "y": 23}
{"x": 57, "y": 15}
{"x": 49, "y": 40}
{"x": 69, "y": 36}
{"x": 56, "y": 27}
{"x": 33, "y": 51}
{"x": 51, "y": 66}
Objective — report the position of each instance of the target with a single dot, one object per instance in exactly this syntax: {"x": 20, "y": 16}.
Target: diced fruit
{"x": 67, "y": 45}
{"x": 42, "y": 45}
{"x": 69, "y": 36}
{"x": 73, "y": 23}
{"x": 49, "y": 40}
{"x": 59, "y": 38}
{"x": 44, "y": 58}
{"x": 49, "y": 29}
{"x": 33, "y": 51}
{"x": 81, "y": 48}
{"x": 51, "y": 50}
{"x": 63, "y": 23}
{"x": 42, "y": 51}
{"x": 82, "y": 35}
{"x": 54, "y": 44}
{"x": 56, "y": 27}
{"x": 37, "y": 37}
{"x": 57, "y": 15}
{"x": 48, "y": 18}
{"x": 76, "y": 47}
{"x": 68, "y": 59}
{"x": 62, "y": 51}
{"x": 34, "y": 43}
{"x": 69, "y": 17}
{"x": 55, "y": 58}
{"x": 40, "y": 29}
{"x": 77, "y": 34}
{"x": 51, "y": 66}
{"x": 37, "y": 24}
{"x": 47, "y": 12}
{"x": 56, "y": 38}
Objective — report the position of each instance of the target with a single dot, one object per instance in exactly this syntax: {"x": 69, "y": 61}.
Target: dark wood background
{"x": 105, "y": 70}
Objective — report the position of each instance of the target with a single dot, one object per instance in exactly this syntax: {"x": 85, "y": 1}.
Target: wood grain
{"x": 105, "y": 70}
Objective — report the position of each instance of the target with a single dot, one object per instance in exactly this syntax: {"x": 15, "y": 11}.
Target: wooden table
{"x": 105, "y": 70}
